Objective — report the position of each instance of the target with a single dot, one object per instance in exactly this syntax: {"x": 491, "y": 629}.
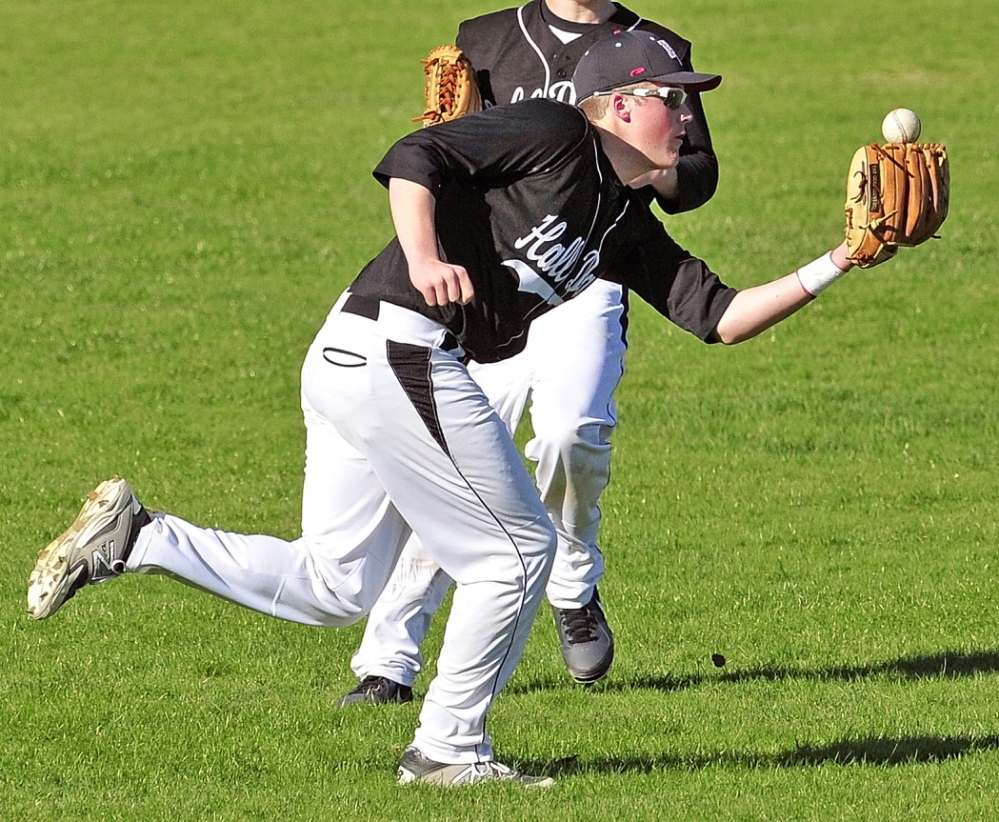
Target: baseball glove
{"x": 896, "y": 195}
{"x": 451, "y": 89}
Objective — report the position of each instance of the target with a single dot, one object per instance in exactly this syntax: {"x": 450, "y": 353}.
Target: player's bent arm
{"x": 696, "y": 182}
{"x": 754, "y": 310}
{"x": 412, "y": 207}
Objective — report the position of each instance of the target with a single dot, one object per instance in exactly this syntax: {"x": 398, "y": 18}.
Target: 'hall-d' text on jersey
{"x": 529, "y": 204}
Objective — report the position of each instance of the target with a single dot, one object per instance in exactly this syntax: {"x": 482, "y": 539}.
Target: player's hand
{"x": 441, "y": 283}
{"x": 841, "y": 257}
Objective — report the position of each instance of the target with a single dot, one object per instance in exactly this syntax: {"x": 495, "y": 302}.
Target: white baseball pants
{"x": 571, "y": 367}
{"x": 399, "y": 436}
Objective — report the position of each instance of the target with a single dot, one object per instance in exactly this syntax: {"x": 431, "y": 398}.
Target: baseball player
{"x": 571, "y": 366}
{"x": 500, "y": 217}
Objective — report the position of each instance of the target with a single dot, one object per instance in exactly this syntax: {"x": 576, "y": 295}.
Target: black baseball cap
{"x": 629, "y": 57}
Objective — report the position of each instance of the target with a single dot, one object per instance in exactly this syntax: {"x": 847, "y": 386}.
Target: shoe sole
{"x": 441, "y": 779}
{"x": 53, "y": 577}
{"x": 592, "y": 678}
{"x": 594, "y": 674}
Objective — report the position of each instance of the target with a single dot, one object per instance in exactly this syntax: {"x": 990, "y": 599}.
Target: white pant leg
{"x": 577, "y": 355}
{"x": 453, "y": 472}
{"x": 329, "y": 577}
{"x": 397, "y": 433}
{"x": 572, "y": 365}
{"x": 399, "y": 621}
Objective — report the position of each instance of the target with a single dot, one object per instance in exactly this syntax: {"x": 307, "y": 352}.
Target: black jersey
{"x": 529, "y": 204}
{"x": 517, "y": 57}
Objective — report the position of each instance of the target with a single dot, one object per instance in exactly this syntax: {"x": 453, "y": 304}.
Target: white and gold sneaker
{"x": 415, "y": 767}
{"x": 92, "y": 550}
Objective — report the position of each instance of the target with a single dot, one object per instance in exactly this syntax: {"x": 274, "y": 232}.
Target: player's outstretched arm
{"x": 756, "y": 309}
{"x": 412, "y": 207}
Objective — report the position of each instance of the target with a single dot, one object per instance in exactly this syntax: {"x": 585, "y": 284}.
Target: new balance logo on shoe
{"x": 104, "y": 565}
{"x": 93, "y": 549}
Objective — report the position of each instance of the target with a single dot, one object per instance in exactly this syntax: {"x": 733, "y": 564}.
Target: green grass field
{"x": 185, "y": 189}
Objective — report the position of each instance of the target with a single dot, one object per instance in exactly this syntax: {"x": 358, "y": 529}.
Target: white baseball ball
{"x": 901, "y": 125}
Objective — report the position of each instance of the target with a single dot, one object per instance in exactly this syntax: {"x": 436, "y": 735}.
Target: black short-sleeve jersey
{"x": 529, "y": 204}
{"x": 517, "y": 57}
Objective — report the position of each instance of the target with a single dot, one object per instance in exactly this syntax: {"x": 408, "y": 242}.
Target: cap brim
{"x": 689, "y": 80}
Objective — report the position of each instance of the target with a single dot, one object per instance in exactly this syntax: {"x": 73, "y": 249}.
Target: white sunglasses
{"x": 672, "y": 98}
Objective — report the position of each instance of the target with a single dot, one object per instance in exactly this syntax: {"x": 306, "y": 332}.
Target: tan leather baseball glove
{"x": 451, "y": 89}
{"x": 896, "y": 195}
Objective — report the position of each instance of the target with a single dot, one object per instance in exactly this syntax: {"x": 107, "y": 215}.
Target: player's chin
{"x": 669, "y": 158}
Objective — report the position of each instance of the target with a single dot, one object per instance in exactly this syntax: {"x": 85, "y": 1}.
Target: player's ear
{"x": 620, "y": 106}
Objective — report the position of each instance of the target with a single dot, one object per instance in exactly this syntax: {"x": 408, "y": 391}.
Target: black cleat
{"x": 378, "y": 690}
{"x": 586, "y": 640}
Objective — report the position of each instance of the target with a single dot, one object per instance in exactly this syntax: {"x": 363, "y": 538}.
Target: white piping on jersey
{"x": 575, "y": 287}
{"x": 530, "y": 281}
{"x": 600, "y": 176}
{"x": 537, "y": 49}
{"x": 541, "y": 54}
{"x": 613, "y": 225}
{"x": 571, "y": 286}
{"x": 557, "y": 259}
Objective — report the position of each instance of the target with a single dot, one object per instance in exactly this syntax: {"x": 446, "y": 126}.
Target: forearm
{"x": 756, "y": 309}
{"x": 439, "y": 282}
{"x": 412, "y": 206}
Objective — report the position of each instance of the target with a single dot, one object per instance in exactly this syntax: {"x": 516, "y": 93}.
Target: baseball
{"x": 901, "y": 125}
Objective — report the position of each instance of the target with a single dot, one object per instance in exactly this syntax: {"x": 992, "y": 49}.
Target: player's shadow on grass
{"x": 875, "y": 751}
{"x": 946, "y": 665}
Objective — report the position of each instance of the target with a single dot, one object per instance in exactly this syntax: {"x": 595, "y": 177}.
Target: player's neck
{"x": 627, "y": 161}
{"x": 582, "y": 11}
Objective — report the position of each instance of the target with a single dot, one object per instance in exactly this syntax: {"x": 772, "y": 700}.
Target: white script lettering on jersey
{"x": 563, "y": 92}
{"x": 555, "y": 260}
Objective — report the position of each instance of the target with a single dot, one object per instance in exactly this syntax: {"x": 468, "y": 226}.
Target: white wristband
{"x": 819, "y": 274}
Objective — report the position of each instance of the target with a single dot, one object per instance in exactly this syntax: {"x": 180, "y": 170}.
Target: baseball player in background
{"x": 571, "y": 366}
{"x": 500, "y": 216}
